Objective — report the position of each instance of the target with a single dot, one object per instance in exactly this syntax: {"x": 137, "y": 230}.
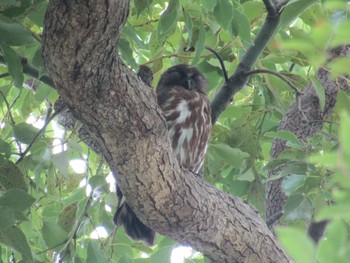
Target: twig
{"x": 33, "y": 72}
{"x": 78, "y": 223}
{"x": 47, "y": 121}
{"x": 8, "y": 108}
{"x": 168, "y": 56}
{"x": 4, "y": 75}
{"x": 146, "y": 23}
{"x": 258, "y": 71}
{"x": 99, "y": 238}
{"x": 11, "y": 120}
{"x": 271, "y": 220}
{"x": 238, "y": 80}
{"x": 224, "y": 71}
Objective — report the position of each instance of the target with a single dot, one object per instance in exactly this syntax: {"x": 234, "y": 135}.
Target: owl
{"x": 186, "y": 107}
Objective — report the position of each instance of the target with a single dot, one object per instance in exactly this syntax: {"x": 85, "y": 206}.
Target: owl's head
{"x": 189, "y": 78}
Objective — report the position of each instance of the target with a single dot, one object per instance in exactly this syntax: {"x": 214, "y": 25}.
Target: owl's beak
{"x": 190, "y": 84}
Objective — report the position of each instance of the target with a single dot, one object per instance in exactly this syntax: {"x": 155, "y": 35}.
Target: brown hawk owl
{"x": 186, "y": 107}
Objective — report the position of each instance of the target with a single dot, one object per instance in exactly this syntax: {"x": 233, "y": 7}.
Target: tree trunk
{"x": 80, "y": 52}
{"x": 304, "y": 124}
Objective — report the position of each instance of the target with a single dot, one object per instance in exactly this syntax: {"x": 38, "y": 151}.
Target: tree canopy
{"x": 279, "y": 151}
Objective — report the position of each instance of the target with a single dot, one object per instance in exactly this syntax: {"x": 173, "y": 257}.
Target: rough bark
{"x": 80, "y": 52}
{"x": 304, "y": 125}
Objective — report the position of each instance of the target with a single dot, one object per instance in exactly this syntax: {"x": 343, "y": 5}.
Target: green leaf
{"x": 320, "y": 92}
{"x": 283, "y": 135}
{"x": 293, "y": 10}
{"x": 189, "y": 28}
{"x": 16, "y": 199}
{"x": 168, "y": 20}
{"x": 14, "y": 34}
{"x": 67, "y": 217}
{"x": 165, "y": 248}
{"x": 7, "y": 219}
{"x": 341, "y": 36}
{"x": 11, "y": 176}
{"x": 338, "y": 211}
{"x": 25, "y": 132}
{"x": 297, "y": 244}
{"x": 38, "y": 61}
{"x": 298, "y": 207}
{"x": 253, "y": 9}
{"x": 14, "y": 65}
{"x": 223, "y": 13}
{"x": 38, "y": 12}
{"x": 41, "y": 150}
{"x": 344, "y": 137}
{"x": 339, "y": 66}
{"x": 130, "y": 34}
{"x": 209, "y": 4}
{"x": 5, "y": 148}
{"x": 127, "y": 53}
{"x": 9, "y": 3}
{"x": 98, "y": 184}
{"x": 327, "y": 159}
{"x": 141, "y": 5}
{"x": 343, "y": 102}
{"x": 333, "y": 246}
{"x": 232, "y": 156}
{"x": 292, "y": 183}
{"x": 199, "y": 45}
{"x": 241, "y": 23}
{"x": 15, "y": 10}
{"x": 293, "y": 167}
{"x": 61, "y": 162}
{"x": 53, "y": 235}
{"x": 14, "y": 238}
{"x": 247, "y": 176}
{"x": 95, "y": 253}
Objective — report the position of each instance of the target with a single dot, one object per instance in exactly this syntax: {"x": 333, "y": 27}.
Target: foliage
{"x": 50, "y": 209}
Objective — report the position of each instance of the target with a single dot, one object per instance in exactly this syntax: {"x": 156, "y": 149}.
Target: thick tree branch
{"x": 304, "y": 120}
{"x": 239, "y": 79}
{"x": 80, "y": 53}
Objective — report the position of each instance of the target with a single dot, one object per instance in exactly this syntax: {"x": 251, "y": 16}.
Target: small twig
{"x": 99, "y": 238}
{"x": 8, "y": 108}
{"x": 4, "y": 75}
{"x": 78, "y": 223}
{"x": 258, "y": 71}
{"x": 13, "y": 259}
{"x": 111, "y": 237}
{"x": 291, "y": 67}
{"x": 259, "y": 128}
{"x": 291, "y": 85}
{"x": 11, "y": 120}
{"x": 32, "y": 71}
{"x": 272, "y": 219}
{"x": 146, "y": 23}
{"x": 168, "y": 56}
{"x": 223, "y": 68}
{"x": 47, "y": 121}
{"x": 329, "y": 136}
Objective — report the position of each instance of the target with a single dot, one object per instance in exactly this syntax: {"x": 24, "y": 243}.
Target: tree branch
{"x": 81, "y": 56}
{"x": 238, "y": 80}
{"x": 305, "y": 119}
{"x": 32, "y": 71}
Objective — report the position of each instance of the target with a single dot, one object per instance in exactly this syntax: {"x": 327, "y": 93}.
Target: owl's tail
{"x": 134, "y": 228}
